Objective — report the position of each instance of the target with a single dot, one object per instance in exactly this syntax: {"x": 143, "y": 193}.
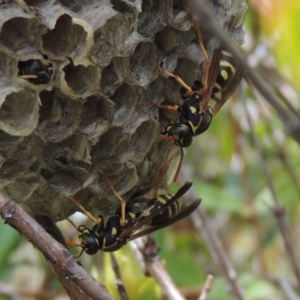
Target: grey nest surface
{"x": 95, "y": 114}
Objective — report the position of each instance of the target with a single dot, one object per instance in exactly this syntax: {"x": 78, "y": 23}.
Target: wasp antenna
{"x": 122, "y": 201}
{"x": 84, "y": 211}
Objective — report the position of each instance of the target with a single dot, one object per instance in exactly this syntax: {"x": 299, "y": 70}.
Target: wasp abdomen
{"x": 227, "y": 69}
{"x": 166, "y": 214}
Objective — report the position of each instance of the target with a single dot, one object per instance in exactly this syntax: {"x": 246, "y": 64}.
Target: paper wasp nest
{"x": 91, "y": 110}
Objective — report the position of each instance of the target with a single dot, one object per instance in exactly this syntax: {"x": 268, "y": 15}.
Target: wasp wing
{"x": 212, "y": 76}
{"x": 181, "y": 215}
{"x": 143, "y": 219}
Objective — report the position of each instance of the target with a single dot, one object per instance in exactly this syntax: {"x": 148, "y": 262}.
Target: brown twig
{"x": 9, "y": 292}
{"x": 119, "y": 282}
{"x": 278, "y": 210}
{"x": 205, "y": 230}
{"x": 155, "y": 268}
{"x": 249, "y": 196}
{"x": 282, "y": 154}
{"x": 285, "y": 285}
{"x": 76, "y": 281}
{"x": 207, "y": 287}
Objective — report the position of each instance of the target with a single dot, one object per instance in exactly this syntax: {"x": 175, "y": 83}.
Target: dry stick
{"x": 291, "y": 171}
{"x": 288, "y": 290}
{"x": 283, "y": 282}
{"x": 252, "y": 217}
{"x": 205, "y": 230}
{"x": 284, "y": 158}
{"x": 275, "y": 88}
{"x": 9, "y": 292}
{"x": 207, "y": 287}
{"x": 288, "y": 117}
{"x": 155, "y": 268}
{"x": 119, "y": 282}
{"x": 278, "y": 210}
{"x": 76, "y": 281}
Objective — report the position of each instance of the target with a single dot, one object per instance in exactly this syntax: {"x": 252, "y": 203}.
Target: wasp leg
{"x": 168, "y": 138}
{"x": 208, "y": 62}
{"x": 71, "y": 243}
{"x": 178, "y": 79}
{"x": 28, "y": 76}
{"x": 168, "y": 107}
{"x": 87, "y": 213}
{"x": 122, "y": 201}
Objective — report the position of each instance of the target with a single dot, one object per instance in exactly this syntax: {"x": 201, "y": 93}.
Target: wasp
{"x": 124, "y": 226}
{"x": 221, "y": 77}
{"x": 36, "y": 71}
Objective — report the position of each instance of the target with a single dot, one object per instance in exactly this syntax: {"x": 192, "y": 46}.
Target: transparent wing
{"x": 182, "y": 214}
{"x": 145, "y": 218}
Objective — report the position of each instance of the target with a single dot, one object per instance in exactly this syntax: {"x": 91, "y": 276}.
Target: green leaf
{"x": 10, "y": 241}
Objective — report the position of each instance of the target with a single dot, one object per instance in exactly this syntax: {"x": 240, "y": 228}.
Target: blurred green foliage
{"x": 281, "y": 25}
{"x": 12, "y": 240}
{"x": 227, "y": 173}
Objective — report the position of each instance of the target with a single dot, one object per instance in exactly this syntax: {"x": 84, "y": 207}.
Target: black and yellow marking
{"x": 168, "y": 213}
{"x": 158, "y": 213}
{"x": 228, "y": 67}
{"x": 221, "y": 77}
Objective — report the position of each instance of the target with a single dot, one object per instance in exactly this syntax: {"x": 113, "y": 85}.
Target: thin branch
{"x": 206, "y": 231}
{"x": 207, "y": 287}
{"x": 76, "y": 281}
{"x": 278, "y": 210}
{"x": 156, "y": 269}
{"x": 281, "y": 152}
{"x": 285, "y": 285}
{"x": 245, "y": 184}
{"x": 9, "y": 292}
{"x": 119, "y": 282}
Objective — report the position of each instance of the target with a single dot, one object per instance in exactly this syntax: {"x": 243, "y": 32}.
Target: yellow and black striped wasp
{"x": 125, "y": 224}
{"x": 221, "y": 77}
{"x": 36, "y": 71}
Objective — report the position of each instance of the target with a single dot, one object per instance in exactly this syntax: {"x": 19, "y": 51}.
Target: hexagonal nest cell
{"x": 78, "y": 80}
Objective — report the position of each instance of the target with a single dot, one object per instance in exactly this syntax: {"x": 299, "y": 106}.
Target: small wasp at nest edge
{"x": 125, "y": 224}
{"x": 36, "y": 71}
